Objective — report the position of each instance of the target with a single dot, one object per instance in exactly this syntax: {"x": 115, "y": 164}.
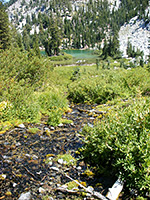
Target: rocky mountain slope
{"x": 136, "y": 31}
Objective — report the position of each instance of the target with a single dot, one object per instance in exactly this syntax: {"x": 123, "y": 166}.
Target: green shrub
{"x": 53, "y": 104}
{"x": 96, "y": 91}
{"x": 120, "y": 144}
{"x": 99, "y": 86}
{"x": 61, "y": 57}
{"x": 20, "y": 77}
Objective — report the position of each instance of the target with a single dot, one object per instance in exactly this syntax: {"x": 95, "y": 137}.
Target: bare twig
{"x": 30, "y": 173}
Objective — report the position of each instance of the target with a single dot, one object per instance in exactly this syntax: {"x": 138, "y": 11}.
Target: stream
{"x": 23, "y": 166}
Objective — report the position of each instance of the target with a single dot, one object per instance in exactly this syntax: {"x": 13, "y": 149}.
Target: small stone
{"x": 28, "y": 155}
{"x": 41, "y": 190}
{"x": 52, "y": 128}
{"x": 2, "y": 177}
{"x": 25, "y": 196}
{"x": 54, "y": 168}
{"x": 79, "y": 168}
{"x": 18, "y": 144}
{"x": 35, "y": 157}
{"x": 50, "y": 198}
{"x": 46, "y": 129}
{"x": 60, "y": 125}
{"x": 92, "y": 118}
{"x": 8, "y": 161}
{"x": 60, "y": 161}
{"x": 6, "y": 143}
{"x": 90, "y": 125}
{"x": 14, "y": 184}
{"x": 40, "y": 172}
{"x": 21, "y": 126}
{"x": 6, "y": 157}
{"x": 50, "y": 163}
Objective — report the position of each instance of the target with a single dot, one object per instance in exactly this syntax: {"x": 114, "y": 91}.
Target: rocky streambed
{"x": 30, "y": 167}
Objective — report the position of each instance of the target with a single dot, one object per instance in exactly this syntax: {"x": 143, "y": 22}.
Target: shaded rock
{"x": 42, "y": 190}
{"x": 54, "y": 168}
{"x": 25, "y": 196}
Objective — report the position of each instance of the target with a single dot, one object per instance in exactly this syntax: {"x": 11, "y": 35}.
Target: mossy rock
{"x": 68, "y": 159}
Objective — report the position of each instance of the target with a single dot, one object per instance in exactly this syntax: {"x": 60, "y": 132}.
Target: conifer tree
{"x": 36, "y": 45}
{"x": 4, "y": 28}
{"x": 54, "y": 40}
{"x": 26, "y": 40}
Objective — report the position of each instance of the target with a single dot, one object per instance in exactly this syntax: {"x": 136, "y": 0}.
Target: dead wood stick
{"x": 2, "y": 197}
{"x": 95, "y": 194}
{"x": 43, "y": 178}
{"x": 63, "y": 189}
{"x": 30, "y": 173}
{"x": 12, "y": 130}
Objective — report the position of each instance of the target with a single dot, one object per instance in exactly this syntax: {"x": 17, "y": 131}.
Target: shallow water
{"x": 81, "y": 54}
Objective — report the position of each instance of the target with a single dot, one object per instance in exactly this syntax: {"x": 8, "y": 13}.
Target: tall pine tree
{"x": 4, "y": 28}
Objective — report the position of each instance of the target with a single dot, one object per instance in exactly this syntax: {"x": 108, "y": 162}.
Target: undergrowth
{"x": 120, "y": 144}
{"x": 31, "y": 88}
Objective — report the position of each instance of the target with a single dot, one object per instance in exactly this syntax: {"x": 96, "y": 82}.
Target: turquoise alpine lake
{"x": 81, "y": 54}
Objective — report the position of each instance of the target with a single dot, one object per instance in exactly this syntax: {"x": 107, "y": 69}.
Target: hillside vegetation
{"x": 33, "y": 88}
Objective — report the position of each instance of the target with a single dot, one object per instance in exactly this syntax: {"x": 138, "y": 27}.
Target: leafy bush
{"x": 99, "y": 86}
{"x": 98, "y": 89}
{"x": 53, "y": 104}
{"x": 22, "y": 75}
{"x": 120, "y": 144}
{"x": 61, "y": 57}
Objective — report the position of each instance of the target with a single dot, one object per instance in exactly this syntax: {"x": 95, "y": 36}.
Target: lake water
{"x": 81, "y": 54}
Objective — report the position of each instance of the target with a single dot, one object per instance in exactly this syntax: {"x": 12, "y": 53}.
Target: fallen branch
{"x": 63, "y": 188}
{"x": 94, "y": 194}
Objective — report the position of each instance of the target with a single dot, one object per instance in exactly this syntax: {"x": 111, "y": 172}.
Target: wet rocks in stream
{"x": 28, "y": 165}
